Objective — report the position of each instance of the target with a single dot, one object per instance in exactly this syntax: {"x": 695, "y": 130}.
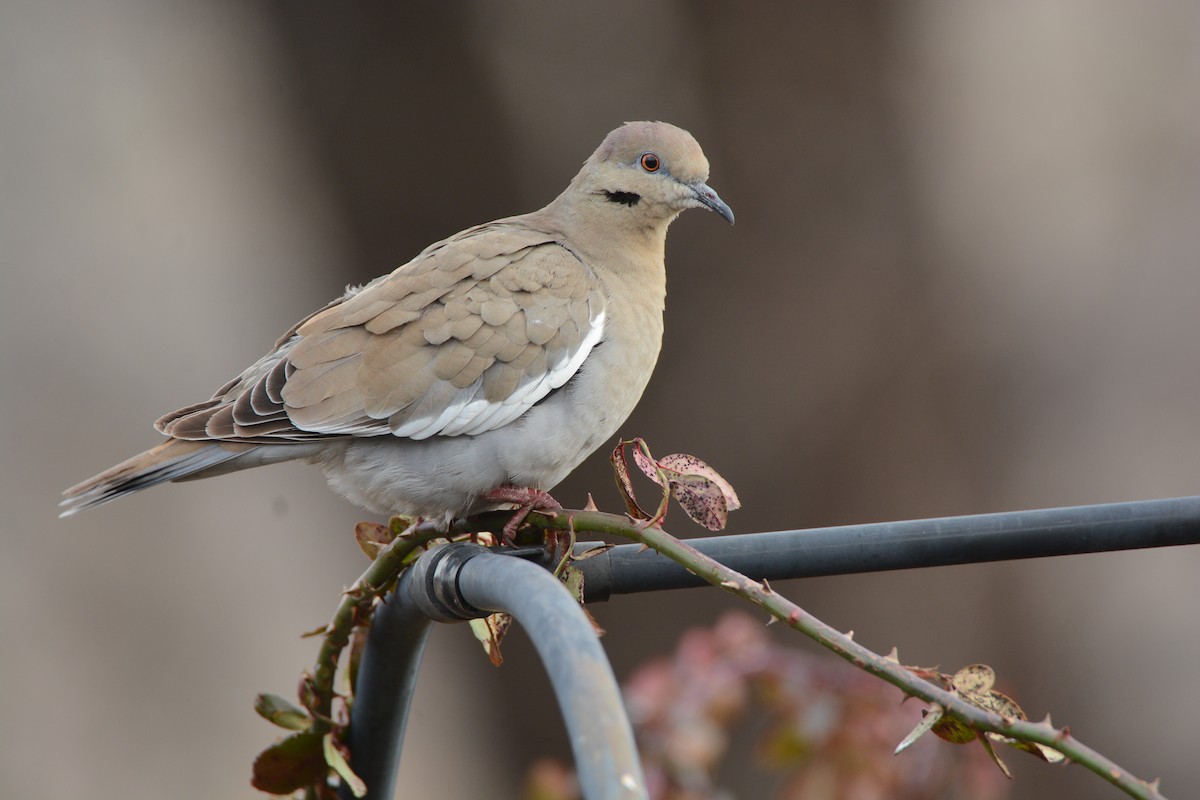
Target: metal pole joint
{"x": 434, "y": 585}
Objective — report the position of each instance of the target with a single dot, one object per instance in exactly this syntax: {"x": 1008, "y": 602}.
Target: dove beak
{"x": 709, "y": 199}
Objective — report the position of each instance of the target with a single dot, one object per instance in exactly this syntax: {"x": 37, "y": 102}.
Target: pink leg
{"x": 527, "y": 499}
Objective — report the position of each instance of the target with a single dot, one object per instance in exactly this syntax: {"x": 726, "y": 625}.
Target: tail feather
{"x": 172, "y": 460}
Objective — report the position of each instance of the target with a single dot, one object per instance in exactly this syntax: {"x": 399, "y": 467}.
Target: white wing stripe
{"x": 471, "y": 416}
{"x": 423, "y": 428}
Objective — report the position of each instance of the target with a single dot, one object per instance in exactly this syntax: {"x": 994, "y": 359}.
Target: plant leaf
{"x": 930, "y": 719}
{"x": 358, "y": 645}
{"x": 401, "y": 524}
{"x": 646, "y": 462}
{"x": 277, "y": 711}
{"x": 974, "y": 684}
{"x": 289, "y": 765}
{"x": 490, "y": 631}
{"x": 373, "y": 537}
{"x": 952, "y": 730}
{"x": 624, "y": 484}
{"x": 1047, "y": 754}
{"x": 974, "y": 678}
{"x": 572, "y": 577}
{"x": 701, "y": 499}
{"x": 991, "y": 751}
{"x": 336, "y": 760}
{"x": 699, "y": 489}
{"x": 690, "y": 465}
{"x": 321, "y": 631}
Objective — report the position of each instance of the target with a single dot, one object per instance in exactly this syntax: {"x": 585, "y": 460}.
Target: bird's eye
{"x": 651, "y": 162}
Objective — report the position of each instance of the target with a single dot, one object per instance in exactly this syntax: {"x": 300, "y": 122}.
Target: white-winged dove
{"x": 490, "y": 365}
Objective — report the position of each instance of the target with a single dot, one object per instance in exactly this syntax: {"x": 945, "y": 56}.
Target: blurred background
{"x": 963, "y": 279}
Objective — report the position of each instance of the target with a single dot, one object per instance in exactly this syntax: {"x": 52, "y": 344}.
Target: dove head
{"x": 644, "y": 174}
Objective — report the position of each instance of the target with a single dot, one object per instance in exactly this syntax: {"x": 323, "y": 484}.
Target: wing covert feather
{"x": 463, "y": 339}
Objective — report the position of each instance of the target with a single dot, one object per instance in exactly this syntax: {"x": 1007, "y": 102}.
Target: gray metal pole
{"x": 387, "y": 679}
{"x": 907, "y": 544}
{"x": 606, "y": 758}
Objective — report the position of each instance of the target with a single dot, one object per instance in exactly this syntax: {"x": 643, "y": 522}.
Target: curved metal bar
{"x": 606, "y": 758}
{"x": 387, "y": 678}
{"x": 461, "y": 581}
{"x": 904, "y": 545}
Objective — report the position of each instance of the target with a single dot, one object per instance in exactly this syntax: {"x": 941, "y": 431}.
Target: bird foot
{"x": 527, "y": 500}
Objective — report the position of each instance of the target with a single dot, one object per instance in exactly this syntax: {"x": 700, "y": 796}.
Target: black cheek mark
{"x": 624, "y": 198}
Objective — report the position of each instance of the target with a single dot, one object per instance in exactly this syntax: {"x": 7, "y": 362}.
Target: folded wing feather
{"x": 464, "y": 339}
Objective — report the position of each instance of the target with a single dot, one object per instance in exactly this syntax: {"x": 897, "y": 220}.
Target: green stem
{"x": 355, "y": 608}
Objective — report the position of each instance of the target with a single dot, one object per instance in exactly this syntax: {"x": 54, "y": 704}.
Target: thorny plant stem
{"x": 358, "y": 601}
{"x": 355, "y": 608}
{"x": 762, "y": 595}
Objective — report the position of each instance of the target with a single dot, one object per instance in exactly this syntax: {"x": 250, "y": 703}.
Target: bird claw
{"x": 528, "y": 500}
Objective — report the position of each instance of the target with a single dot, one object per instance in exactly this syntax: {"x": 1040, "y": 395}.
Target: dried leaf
{"x": 953, "y": 730}
{"x": 690, "y": 465}
{"x": 624, "y": 484}
{"x": 701, "y": 499}
{"x": 974, "y": 678}
{"x": 597, "y": 628}
{"x": 490, "y": 631}
{"x": 701, "y": 492}
{"x": 402, "y": 524}
{"x": 373, "y": 537}
{"x": 931, "y": 718}
{"x": 593, "y": 549}
{"x": 277, "y": 711}
{"x": 1000, "y": 703}
{"x": 306, "y": 692}
{"x": 573, "y": 578}
{"x": 1047, "y": 754}
{"x": 974, "y": 684}
{"x": 646, "y": 462}
{"x": 358, "y": 644}
{"x": 336, "y": 760}
{"x": 290, "y": 765}
{"x": 999, "y": 762}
